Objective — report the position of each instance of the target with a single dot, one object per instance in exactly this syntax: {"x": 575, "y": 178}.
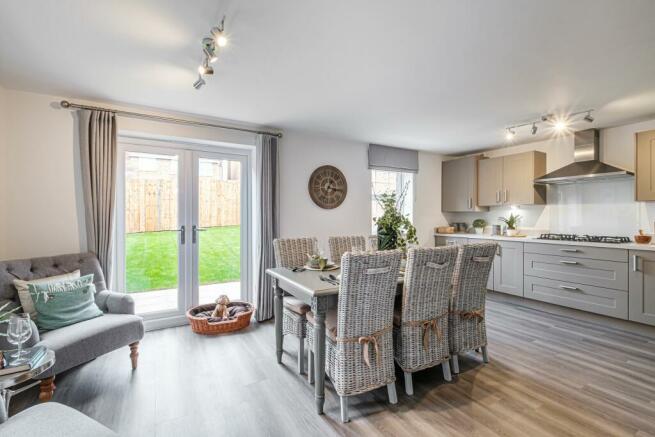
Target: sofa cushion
{"x": 24, "y": 290}
{"x": 53, "y": 420}
{"x": 84, "y": 341}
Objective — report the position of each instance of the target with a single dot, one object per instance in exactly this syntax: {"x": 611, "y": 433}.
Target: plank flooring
{"x": 550, "y": 375}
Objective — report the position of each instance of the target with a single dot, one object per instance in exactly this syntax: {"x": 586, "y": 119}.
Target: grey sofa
{"x": 81, "y": 342}
{"x": 53, "y": 420}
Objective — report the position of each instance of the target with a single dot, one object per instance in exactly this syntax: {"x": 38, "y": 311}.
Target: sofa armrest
{"x": 5, "y": 345}
{"x": 115, "y": 303}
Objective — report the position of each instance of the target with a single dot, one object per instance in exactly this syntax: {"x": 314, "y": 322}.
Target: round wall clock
{"x": 327, "y": 187}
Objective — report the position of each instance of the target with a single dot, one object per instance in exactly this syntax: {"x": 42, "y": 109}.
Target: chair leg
{"x": 455, "y": 364}
{"x": 445, "y": 366}
{"x": 391, "y": 390}
{"x": 485, "y": 355}
{"x": 409, "y": 387}
{"x": 46, "y": 389}
{"x": 310, "y": 365}
{"x": 344, "y": 409}
{"x": 301, "y": 355}
{"x": 134, "y": 354}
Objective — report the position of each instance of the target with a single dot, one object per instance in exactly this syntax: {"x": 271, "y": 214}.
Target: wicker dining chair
{"x": 372, "y": 243}
{"x": 421, "y": 321}
{"x": 466, "y": 324}
{"x": 359, "y": 339}
{"x": 290, "y": 253}
{"x": 341, "y": 245}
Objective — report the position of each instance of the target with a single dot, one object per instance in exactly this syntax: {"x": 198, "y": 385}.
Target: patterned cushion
{"x": 330, "y": 323}
{"x": 296, "y": 305}
{"x": 24, "y": 292}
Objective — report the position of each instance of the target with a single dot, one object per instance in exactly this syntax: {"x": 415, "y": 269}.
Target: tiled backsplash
{"x": 603, "y": 208}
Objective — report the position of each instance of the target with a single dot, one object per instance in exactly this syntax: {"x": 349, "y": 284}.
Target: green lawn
{"x": 151, "y": 258}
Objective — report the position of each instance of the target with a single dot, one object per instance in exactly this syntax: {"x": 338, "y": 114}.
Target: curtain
{"x": 268, "y": 224}
{"x": 98, "y": 158}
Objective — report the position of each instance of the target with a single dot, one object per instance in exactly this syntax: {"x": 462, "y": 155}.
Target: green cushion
{"x": 63, "y": 303}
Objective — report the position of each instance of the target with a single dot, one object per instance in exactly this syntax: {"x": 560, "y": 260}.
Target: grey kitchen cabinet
{"x": 459, "y": 184}
{"x": 508, "y": 268}
{"x": 509, "y": 180}
{"x": 645, "y": 166}
{"x": 490, "y": 281}
{"x": 642, "y": 287}
{"x": 601, "y": 273}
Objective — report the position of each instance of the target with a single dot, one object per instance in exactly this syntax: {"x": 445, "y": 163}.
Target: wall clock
{"x": 327, "y": 187}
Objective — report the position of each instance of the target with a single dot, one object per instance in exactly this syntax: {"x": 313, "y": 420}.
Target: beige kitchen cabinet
{"x": 509, "y": 180}
{"x": 641, "y": 292}
{"x": 508, "y": 268}
{"x": 645, "y": 165}
{"x": 459, "y": 185}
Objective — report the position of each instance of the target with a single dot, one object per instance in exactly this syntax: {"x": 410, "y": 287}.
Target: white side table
{"x": 13, "y": 379}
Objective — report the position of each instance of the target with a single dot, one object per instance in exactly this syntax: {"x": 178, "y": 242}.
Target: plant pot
{"x": 479, "y": 231}
{"x": 512, "y": 232}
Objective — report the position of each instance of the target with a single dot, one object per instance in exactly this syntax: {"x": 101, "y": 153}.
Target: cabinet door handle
{"x": 635, "y": 260}
{"x": 470, "y": 203}
{"x": 570, "y": 250}
{"x": 497, "y": 196}
{"x": 569, "y": 262}
{"x": 566, "y": 287}
{"x": 506, "y": 194}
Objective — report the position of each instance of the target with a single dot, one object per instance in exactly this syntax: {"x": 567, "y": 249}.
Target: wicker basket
{"x": 202, "y": 325}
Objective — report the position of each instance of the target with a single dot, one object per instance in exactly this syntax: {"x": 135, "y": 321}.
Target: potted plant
{"x": 512, "y": 222}
{"x": 479, "y": 225}
{"x": 395, "y": 230}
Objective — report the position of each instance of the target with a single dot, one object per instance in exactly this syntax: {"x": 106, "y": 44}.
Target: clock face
{"x": 327, "y": 187}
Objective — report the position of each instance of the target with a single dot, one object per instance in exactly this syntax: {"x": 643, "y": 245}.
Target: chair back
{"x": 372, "y": 245}
{"x": 428, "y": 281}
{"x": 292, "y": 252}
{"x": 366, "y": 296}
{"x": 474, "y": 263}
{"x": 341, "y": 245}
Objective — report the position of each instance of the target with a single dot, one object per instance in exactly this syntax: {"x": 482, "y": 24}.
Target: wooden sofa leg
{"x": 134, "y": 354}
{"x": 46, "y": 389}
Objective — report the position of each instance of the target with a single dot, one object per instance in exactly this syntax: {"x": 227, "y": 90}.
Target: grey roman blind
{"x": 392, "y": 158}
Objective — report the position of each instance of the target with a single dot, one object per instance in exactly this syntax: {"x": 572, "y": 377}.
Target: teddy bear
{"x": 221, "y": 310}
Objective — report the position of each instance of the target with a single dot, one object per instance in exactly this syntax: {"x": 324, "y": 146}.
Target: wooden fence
{"x": 151, "y": 204}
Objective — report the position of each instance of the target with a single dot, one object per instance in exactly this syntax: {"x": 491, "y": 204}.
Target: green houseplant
{"x": 395, "y": 230}
{"x": 479, "y": 225}
{"x": 512, "y": 222}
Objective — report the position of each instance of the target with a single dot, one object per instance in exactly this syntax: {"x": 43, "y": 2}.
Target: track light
{"x": 510, "y": 134}
{"x": 199, "y": 83}
{"x": 209, "y": 49}
{"x": 205, "y": 68}
{"x": 588, "y": 117}
{"x": 561, "y": 125}
{"x": 218, "y": 33}
{"x": 534, "y": 128}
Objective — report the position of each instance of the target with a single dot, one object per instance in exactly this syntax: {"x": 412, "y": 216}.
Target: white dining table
{"x": 308, "y": 287}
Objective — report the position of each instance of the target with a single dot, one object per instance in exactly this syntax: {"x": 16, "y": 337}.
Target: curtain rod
{"x": 66, "y": 104}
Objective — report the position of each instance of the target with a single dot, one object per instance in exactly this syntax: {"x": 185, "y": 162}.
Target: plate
{"x": 326, "y": 269}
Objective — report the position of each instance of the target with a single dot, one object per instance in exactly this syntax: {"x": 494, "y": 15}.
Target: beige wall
{"x": 427, "y": 207}
{"x": 3, "y": 176}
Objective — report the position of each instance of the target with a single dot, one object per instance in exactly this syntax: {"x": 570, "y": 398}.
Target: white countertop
{"x": 534, "y": 239}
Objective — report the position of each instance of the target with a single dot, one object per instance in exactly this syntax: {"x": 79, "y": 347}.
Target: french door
{"x": 183, "y": 228}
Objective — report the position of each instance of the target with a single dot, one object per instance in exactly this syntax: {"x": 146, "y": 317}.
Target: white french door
{"x": 183, "y": 227}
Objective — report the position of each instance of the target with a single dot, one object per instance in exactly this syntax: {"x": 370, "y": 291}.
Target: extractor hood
{"x": 587, "y": 167}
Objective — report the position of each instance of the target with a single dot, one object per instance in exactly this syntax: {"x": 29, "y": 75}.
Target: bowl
{"x": 643, "y": 239}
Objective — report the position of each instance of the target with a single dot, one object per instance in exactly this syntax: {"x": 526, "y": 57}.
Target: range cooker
{"x": 585, "y": 238}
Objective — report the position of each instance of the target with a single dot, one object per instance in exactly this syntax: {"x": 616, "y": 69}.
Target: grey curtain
{"x": 98, "y": 157}
{"x": 268, "y": 224}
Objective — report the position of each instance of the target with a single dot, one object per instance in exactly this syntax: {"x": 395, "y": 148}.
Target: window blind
{"x": 392, "y": 158}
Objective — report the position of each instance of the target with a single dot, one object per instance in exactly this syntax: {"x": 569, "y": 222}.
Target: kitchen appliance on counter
{"x": 460, "y": 227}
{"x": 585, "y": 238}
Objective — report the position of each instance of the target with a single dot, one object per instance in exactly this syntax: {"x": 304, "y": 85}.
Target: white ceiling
{"x": 438, "y": 75}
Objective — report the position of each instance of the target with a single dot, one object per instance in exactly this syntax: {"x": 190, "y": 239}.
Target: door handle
{"x": 498, "y": 196}
{"x": 182, "y": 232}
{"x": 566, "y": 287}
{"x": 194, "y": 233}
{"x": 635, "y": 260}
{"x": 470, "y": 203}
{"x": 570, "y": 250}
{"x": 569, "y": 262}
{"x": 506, "y": 194}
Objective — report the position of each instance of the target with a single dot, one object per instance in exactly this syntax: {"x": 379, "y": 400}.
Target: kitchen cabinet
{"x": 509, "y": 180}
{"x": 490, "y": 281}
{"x": 508, "y": 268}
{"x": 459, "y": 184}
{"x": 645, "y": 166}
{"x": 642, "y": 287}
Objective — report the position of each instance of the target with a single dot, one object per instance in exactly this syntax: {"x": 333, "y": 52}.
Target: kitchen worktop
{"x": 534, "y": 239}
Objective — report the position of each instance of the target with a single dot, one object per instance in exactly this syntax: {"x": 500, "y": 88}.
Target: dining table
{"x": 307, "y": 286}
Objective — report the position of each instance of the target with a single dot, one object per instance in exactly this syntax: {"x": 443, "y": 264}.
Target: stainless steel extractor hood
{"x": 587, "y": 167}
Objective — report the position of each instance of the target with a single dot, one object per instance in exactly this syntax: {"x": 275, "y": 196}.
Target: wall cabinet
{"x": 509, "y": 180}
{"x": 508, "y": 268}
{"x": 645, "y": 166}
{"x": 459, "y": 184}
{"x": 642, "y": 287}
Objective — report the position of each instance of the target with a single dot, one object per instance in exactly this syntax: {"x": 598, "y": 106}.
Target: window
{"x": 391, "y": 182}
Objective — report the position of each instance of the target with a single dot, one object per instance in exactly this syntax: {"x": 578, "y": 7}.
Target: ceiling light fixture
{"x": 534, "y": 128}
{"x": 560, "y": 124}
{"x": 510, "y": 134}
{"x": 588, "y": 118}
{"x": 210, "y": 49}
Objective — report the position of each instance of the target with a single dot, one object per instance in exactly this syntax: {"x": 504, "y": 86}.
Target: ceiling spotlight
{"x": 205, "y": 68}
{"x": 209, "y": 49}
{"x": 510, "y": 134}
{"x": 219, "y": 34}
{"x": 199, "y": 83}
{"x": 534, "y": 128}
{"x": 560, "y": 125}
{"x": 588, "y": 117}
